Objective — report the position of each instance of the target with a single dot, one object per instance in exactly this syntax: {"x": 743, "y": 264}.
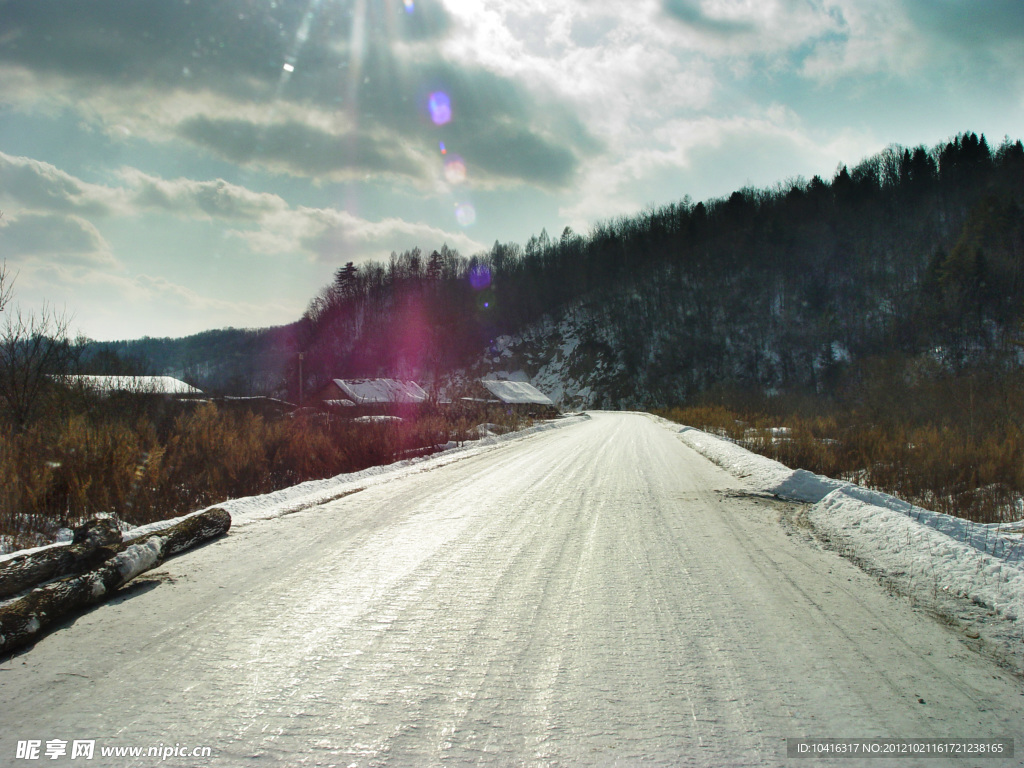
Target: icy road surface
{"x": 593, "y": 595}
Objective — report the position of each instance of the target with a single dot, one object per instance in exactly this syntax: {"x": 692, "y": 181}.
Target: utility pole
{"x": 300, "y": 379}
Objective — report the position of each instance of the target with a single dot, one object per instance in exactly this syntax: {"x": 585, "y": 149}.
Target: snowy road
{"x": 592, "y": 595}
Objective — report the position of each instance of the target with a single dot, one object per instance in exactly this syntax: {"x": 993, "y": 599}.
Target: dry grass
{"x": 976, "y": 474}
{"x": 151, "y": 465}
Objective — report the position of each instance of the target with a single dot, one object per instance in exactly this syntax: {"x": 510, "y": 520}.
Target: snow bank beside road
{"x": 929, "y": 553}
{"x": 768, "y": 475}
{"x": 873, "y": 527}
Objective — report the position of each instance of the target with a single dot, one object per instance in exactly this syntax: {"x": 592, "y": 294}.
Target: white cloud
{"x": 871, "y": 37}
{"x": 216, "y": 199}
{"x": 116, "y": 305}
{"x": 50, "y": 234}
{"x": 615, "y": 66}
{"x": 337, "y": 236}
{"x": 223, "y": 93}
{"x": 919, "y": 39}
{"x": 45, "y": 223}
{"x": 146, "y": 288}
{"x": 27, "y": 184}
{"x": 749, "y": 29}
{"x": 62, "y": 238}
{"x": 718, "y": 155}
{"x": 267, "y": 224}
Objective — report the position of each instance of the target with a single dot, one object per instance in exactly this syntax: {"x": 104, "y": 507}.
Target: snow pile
{"x": 932, "y": 554}
{"x": 767, "y": 474}
{"x": 871, "y": 526}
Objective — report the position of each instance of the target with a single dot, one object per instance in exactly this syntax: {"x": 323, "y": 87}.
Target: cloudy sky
{"x": 171, "y": 166}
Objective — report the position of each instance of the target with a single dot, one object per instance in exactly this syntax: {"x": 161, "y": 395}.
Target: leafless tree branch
{"x": 6, "y": 286}
{"x": 6, "y": 282}
{"x": 33, "y": 348}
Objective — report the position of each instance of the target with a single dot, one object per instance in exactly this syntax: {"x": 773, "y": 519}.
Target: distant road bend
{"x": 595, "y": 595}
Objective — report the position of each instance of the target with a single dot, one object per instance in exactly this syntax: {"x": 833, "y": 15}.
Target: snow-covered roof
{"x": 517, "y": 393}
{"x": 367, "y": 391}
{"x": 155, "y": 385}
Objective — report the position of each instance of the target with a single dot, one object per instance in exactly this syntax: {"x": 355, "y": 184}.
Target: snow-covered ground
{"x": 933, "y": 557}
{"x": 593, "y": 593}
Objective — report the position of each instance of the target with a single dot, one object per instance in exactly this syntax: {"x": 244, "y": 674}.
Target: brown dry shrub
{"x": 300, "y": 451}
{"x": 709, "y": 418}
{"x": 958, "y": 469}
{"x": 211, "y": 456}
{"x": 25, "y": 478}
{"x": 93, "y": 469}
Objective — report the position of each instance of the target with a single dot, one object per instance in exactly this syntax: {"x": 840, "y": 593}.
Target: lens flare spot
{"x": 410, "y": 6}
{"x": 479, "y": 276}
{"x": 465, "y": 214}
{"x": 444, "y": 149}
{"x": 440, "y": 107}
{"x": 454, "y": 170}
{"x": 485, "y": 299}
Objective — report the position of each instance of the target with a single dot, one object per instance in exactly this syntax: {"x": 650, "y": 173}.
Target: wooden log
{"x": 94, "y": 542}
{"x": 24, "y": 620}
{"x": 193, "y": 530}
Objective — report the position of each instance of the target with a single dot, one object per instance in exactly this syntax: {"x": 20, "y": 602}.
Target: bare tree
{"x": 6, "y": 285}
{"x": 33, "y": 348}
{"x": 6, "y": 282}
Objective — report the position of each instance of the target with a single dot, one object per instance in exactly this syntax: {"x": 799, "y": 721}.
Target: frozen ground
{"x": 596, "y": 594}
{"x": 969, "y": 573}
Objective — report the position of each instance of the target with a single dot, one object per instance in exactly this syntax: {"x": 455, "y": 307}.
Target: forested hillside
{"x": 231, "y": 360}
{"x": 914, "y": 251}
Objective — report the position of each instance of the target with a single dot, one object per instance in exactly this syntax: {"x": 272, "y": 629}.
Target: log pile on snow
{"x": 108, "y": 567}
{"x": 93, "y": 543}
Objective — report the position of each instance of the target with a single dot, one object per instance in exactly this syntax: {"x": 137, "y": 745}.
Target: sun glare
{"x": 454, "y": 170}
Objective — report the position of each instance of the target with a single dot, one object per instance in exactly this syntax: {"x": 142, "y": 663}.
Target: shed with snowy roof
{"x": 519, "y": 396}
{"x": 517, "y": 393}
{"x": 361, "y": 397}
{"x": 167, "y": 386}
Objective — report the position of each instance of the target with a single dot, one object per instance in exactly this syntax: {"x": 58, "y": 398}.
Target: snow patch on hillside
{"x": 555, "y": 359}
